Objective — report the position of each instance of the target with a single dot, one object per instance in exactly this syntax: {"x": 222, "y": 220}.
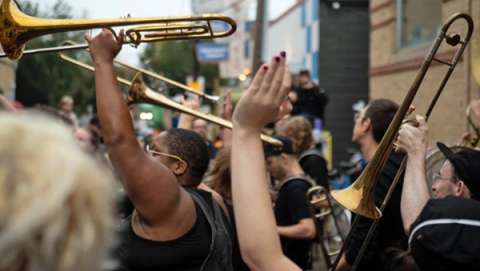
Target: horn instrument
{"x": 138, "y": 92}
{"x": 359, "y": 197}
{"x": 17, "y": 28}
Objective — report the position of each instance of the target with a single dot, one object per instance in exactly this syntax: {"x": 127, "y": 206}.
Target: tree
{"x": 174, "y": 59}
{"x": 45, "y": 78}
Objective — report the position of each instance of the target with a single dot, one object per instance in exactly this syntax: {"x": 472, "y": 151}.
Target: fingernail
{"x": 265, "y": 67}
{"x": 283, "y": 54}
{"x": 277, "y": 58}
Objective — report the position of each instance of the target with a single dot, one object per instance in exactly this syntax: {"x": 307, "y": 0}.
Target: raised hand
{"x": 192, "y": 102}
{"x": 265, "y": 100}
{"x": 105, "y": 47}
{"x": 227, "y": 109}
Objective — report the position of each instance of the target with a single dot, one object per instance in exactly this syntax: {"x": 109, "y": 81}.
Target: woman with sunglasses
{"x": 173, "y": 226}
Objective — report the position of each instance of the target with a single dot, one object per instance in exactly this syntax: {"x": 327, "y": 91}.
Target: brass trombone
{"x": 168, "y": 81}
{"x": 322, "y": 208}
{"x": 158, "y": 77}
{"x": 138, "y": 92}
{"x": 359, "y": 197}
{"x": 17, "y": 28}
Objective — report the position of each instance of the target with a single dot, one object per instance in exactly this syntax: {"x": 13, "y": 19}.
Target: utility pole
{"x": 258, "y": 38}
{"x": 196, "y": 65}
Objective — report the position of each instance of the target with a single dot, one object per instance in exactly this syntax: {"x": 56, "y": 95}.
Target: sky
{"x": 139, "y": 8}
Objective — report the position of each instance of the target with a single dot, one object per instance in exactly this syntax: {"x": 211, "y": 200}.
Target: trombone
{"x": 168, "y": 81}
{"x": 158, "y": 77}
{"x": 17, "y": 28}
{"x": 138, "y": 92}
{"x": 359, "y": 197}
{"x": 322, "y": 208}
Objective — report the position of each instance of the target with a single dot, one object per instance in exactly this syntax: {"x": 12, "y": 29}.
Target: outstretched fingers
{"x": 258, "y": 79}
{"x": 272, "y": 69}
{"x": 276, "y": 84}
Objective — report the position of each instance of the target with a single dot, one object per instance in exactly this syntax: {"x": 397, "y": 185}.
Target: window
{"x": 417, "y": 21}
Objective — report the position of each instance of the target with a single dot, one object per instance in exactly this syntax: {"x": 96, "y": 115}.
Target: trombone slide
{"x": 142, "y": 93}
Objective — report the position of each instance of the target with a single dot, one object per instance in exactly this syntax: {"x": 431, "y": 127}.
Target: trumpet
{"x": 359, "y": 197}
{"x": 17, "y": 28}
{"x": 138, "y": 92}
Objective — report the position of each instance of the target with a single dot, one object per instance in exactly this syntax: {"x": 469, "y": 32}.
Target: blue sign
{"x": 220, "y": 26}
{"x": 212, "y": 52}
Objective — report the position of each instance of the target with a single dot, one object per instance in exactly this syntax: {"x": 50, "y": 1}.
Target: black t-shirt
{"x": 311, "y": 102}
{"x": 389, "y": 232}
{"x": 186, "y": 253}
{"x": 446, "y": 235}
{"x": 316, "y": 167}
{"x": 291, "y": 206}
{"x": 238, "y": 263}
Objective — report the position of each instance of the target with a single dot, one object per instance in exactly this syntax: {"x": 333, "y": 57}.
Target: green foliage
{"x": 45, "y": 78}
{"x": 174, "y": 59}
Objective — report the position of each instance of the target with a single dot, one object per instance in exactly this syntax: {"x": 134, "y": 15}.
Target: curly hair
{"x": 192, "y": 148}
{"x": 218, "y": 177}
{"x": 56, "y": 203}
{"x": 299, "y": 130}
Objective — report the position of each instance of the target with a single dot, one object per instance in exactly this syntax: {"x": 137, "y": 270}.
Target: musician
{"x": 299, "y": 130}
{"x": 57, "y": 203}
{"x": 371, "y": 123}
{"x": 442, "y": 230}
{"x": 295, "y": 224}
{"x": 171, "y": 228}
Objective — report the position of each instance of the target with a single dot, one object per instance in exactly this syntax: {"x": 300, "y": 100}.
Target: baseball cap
{"x": 467, "y": 166}
{"x": 272, "y": 150}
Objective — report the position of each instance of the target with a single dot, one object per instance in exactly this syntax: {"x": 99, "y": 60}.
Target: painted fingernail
{"x": 265, "y": 67}
{"x": 283, "y": 54}
{"x": 277, "y": 58}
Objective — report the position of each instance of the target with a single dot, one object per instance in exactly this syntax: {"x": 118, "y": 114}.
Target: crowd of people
{"x": 95, "y": 197}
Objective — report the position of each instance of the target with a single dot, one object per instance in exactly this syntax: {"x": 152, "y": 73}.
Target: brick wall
{"x": 392, "y": 71}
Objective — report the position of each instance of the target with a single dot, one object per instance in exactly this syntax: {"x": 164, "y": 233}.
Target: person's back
{"x": 188, "y": 252}
{"x": 291, "y": 206}
{"x": 315, "y": 165}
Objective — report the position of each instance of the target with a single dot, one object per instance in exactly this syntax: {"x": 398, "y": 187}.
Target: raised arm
{"x": 257, "y": 231}
{"x": 413, "y": 141}
{"x": 186, "y": 121}
{"x": 151, "y": 186}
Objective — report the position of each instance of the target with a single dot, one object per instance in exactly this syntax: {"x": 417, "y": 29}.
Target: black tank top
{"x": 186, "y": 253}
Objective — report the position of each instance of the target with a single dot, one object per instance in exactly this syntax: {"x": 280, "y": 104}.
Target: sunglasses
{"x": 154, "y": 153}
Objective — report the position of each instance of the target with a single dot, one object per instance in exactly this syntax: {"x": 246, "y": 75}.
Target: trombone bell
{"x": 357, "y": 200}
{"x": 138, "y": 92}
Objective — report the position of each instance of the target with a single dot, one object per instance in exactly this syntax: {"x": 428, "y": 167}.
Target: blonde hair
{"x": 55, "y": 202}
{"x": 299, "y": 130}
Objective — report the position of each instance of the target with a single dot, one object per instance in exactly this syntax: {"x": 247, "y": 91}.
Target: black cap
{"x": 287, "y": 147}
{"x": 467, "y": 166}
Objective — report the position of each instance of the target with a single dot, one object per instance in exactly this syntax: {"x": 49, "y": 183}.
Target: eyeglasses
{"x": 156, "y": 153}
{"x": 436, "y": 177}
